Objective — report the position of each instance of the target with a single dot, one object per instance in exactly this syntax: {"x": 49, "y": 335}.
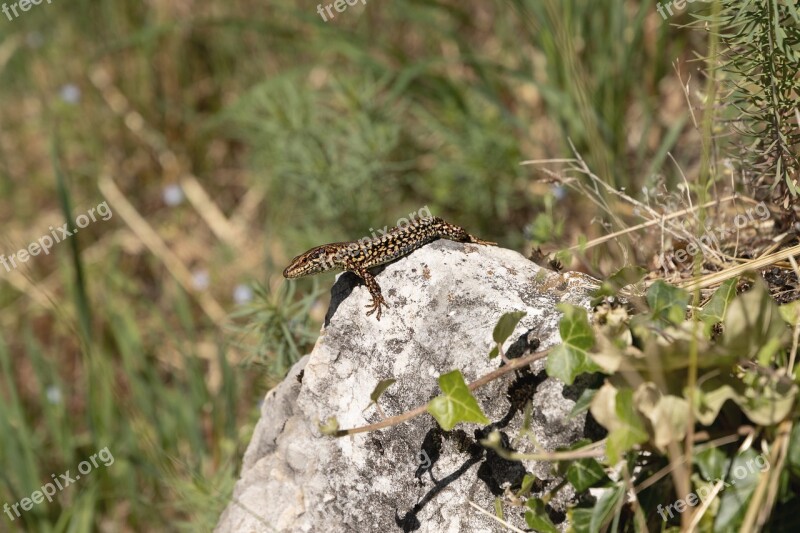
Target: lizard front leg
{"x": 374, "y": 290}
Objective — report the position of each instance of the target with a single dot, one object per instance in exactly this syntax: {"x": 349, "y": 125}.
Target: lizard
{"x": 360, "y": 256}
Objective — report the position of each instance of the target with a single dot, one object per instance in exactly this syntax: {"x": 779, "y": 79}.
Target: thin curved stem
{"x": 515, "y": 364}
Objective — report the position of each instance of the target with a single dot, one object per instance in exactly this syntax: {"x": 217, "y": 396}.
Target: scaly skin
{"x": 359, "y": 256}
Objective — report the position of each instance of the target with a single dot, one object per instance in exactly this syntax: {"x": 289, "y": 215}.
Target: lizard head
{"x": 316, "y": 260}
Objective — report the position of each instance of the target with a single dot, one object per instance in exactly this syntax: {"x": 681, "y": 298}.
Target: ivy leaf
{"x": 716, "y": 308}
{"x": 380, "y": 388}
{"x": 580, "y": 518}
{"x": 711, "y": 462}
{"x": 614, "y": 409}
{"x": 627, "y": 276}
{"x": 709, "y": 398}
{"x": 605, "y": 506}
{"x": 583, "y": 403}
{"x": 560, "y": 467}
{"x": 790, "y": 312}
{"x": 741, "y": 482}
{"x": 536, "y": 517}
{"x": 621, "y": 278}
{"x": 771, "y": 401}
{"x": 456, "y": 404}
{"x": 569, "y": 359}
{"x": 668, "y": 414}
{"x": 505, "y": 326}
{"x": 667, "y": 303}
{"x": 631, "y": 429}
{"x": 585, "y": 473}
{"x": 753, "y": 325}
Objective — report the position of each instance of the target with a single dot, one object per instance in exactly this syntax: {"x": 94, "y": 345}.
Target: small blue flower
{"x": 242, "y": 294}
{"x": 559, "y": 192}
{"x": 172, "y": 195}
{"x": 70, "y": 93}
{"x": 200, "y": 280}
{"x": 53, "y": 394}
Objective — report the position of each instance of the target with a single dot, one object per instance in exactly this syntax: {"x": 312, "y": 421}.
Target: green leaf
{"x": 765, "y": 399}
{"x": 631, "y": 430}
{"x": 668, "y": 414}
{"x": 580, "y": 519}
{"x": 715, "y": 310}
{"x": 770, "y": 402}
{"x": 789, "y": 312}
{"x": 585, "y": 473}
{"x": 565, "y": 256}
{"x": 561, "y": 467}
{"x": 621, "y": 278}
{"x": 569, "y": 359}
{"x": 605, "y": 506}
{"x": 380, "y": 388}
{"x": 794, "y": 450}
{"x": 583, "y": 403}
{"x": 494, "y": 353}
{"x": 505, "y": 326}
{"x": 527, "y": 484}
{"x": 711, "y": 462}
{"x": 456, "y": 404}
{"x": 498, "y": 508}
{"x": 627, "y": 276}
{"x": 615, "y": 411}
{"x": 536, "y": 517}
{"x": 710, "y": 396}
{"x": 739, "y": 486}
{"x": 667, "y": 303}
{"x": 753, "y": 325}
{"x": 793, "y": 10}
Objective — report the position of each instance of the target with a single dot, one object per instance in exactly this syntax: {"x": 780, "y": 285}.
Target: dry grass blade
{"x": 158, "y": 247}
{"x": 212, "y": 214}
{"x": 765, "y": 493}
{"x": 715, "y": 278}
{"x": 653, "y": 222}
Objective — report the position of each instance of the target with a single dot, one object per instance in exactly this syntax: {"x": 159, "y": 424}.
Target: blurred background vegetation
{"x": 228, "y": 137}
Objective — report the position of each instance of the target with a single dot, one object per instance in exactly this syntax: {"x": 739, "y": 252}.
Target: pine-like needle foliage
{"x": 762, "y": 58}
